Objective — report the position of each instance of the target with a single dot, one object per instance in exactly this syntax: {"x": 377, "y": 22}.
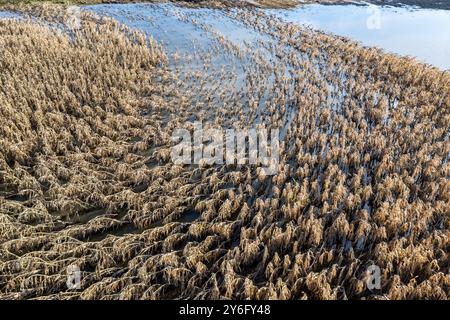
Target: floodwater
{"x": 179, "y": 29}
{"x": 199, "y": 38}
{"x": 408, "y": 31}
{"x": 8, "y": 15}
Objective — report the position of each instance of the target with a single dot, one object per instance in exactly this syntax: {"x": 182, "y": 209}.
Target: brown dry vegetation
{"x": 20, "y": 5}
{"x": 86, "y": 177}
{"x": 437, "y": 4}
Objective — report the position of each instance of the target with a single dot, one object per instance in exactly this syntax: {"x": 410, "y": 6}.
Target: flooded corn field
{"x": 408, "y": 31}
{"x": 185, "y": 151}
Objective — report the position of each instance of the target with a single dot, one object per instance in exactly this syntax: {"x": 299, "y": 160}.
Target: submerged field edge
{"x": 436, "y": 4}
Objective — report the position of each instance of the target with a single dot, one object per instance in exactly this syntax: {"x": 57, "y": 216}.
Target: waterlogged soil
{"x": 360, "y": 181}
{"x": 403, "y": 28}
{"x": 210, "y": 49}
{"x": 406, "y": 31}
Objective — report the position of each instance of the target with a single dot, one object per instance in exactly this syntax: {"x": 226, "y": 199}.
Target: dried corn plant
{"x": 86, "y": 177}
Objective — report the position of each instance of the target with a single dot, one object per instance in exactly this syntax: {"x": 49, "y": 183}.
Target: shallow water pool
{"x": 407, "y": 31}
{"x": 8, "y": 15}
{"x": 410, "y": 31}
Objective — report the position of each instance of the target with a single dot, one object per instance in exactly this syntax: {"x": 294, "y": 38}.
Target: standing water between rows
{"x": 409, "y": 31}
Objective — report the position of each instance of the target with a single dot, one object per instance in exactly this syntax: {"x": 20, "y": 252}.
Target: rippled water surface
{"x": 423, "y": 33}
{"x": 409, "y": 31}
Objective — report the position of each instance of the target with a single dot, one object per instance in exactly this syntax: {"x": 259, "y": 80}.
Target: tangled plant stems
{"x": 86, "y": 178}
